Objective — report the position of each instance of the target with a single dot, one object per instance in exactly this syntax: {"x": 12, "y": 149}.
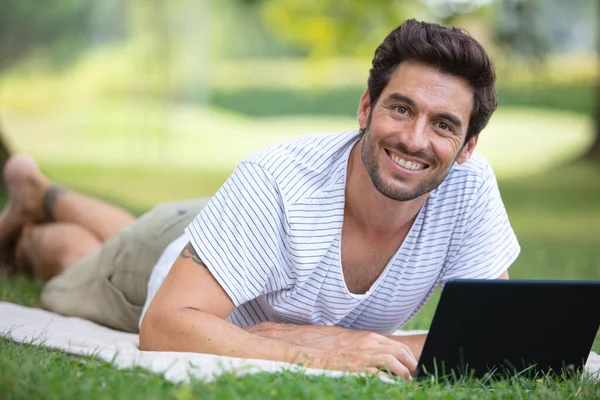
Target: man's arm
{"x": 322, "y": 336}
{"x": 188, "y": 314}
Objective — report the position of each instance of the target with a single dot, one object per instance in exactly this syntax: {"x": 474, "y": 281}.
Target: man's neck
{"x": 376, "y": 213}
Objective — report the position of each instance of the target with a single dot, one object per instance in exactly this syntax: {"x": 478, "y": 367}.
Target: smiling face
{"x": 416, "y": 130}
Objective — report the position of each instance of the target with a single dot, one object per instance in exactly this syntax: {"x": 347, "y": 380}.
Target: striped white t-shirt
{"x": 271, "y": 237}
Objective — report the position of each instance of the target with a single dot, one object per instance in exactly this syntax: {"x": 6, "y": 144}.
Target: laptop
{"x": 507, "y": 327}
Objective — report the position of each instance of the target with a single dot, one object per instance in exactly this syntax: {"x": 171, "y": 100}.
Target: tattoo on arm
{"x": 189, "y": 252}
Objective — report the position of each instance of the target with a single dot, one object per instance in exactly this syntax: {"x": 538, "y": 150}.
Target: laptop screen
{"x": 511, "y": 326}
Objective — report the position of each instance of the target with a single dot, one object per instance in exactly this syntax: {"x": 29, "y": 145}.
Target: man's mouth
{"x": 412, "y": 165}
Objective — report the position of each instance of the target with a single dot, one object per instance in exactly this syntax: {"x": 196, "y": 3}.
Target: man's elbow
{"x": 150, "y": 333}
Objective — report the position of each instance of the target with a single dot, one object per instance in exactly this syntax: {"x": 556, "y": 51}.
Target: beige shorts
{"x": 109, "y": 287}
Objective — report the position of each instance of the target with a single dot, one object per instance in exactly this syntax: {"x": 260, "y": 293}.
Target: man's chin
{"x": 399, "y": 193}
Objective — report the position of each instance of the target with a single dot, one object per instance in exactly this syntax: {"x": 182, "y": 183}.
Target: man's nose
{"x": 414, "y": 137}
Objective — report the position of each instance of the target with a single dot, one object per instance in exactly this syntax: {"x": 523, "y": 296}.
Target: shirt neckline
{"x": 416, "y": 223}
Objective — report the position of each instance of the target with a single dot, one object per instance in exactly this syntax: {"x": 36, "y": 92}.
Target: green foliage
{"x": 328, "y": 28}
{"x": 58, "y": 28}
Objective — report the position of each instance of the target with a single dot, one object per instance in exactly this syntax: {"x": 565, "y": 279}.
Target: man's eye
{"x": 444, "y": 126}
{"x": 402, "y": 110}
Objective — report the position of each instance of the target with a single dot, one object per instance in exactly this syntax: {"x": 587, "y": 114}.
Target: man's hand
{"x": 344, "y": 349}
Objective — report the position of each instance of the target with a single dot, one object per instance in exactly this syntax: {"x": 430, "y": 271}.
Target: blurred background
{"x": 143, "y": 101}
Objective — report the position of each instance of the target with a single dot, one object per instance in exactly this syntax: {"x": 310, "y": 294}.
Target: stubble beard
{"x": 370, "y": 160}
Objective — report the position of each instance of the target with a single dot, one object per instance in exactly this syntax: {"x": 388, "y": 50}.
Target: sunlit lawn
{"x": 554, "y": 208}
{"x": 141, "y": 133}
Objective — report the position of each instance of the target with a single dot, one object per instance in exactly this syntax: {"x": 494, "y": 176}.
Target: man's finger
{"x": 406, "y": 357}
{"x": 391, "y": 363}
{"x": 404, "y": 354}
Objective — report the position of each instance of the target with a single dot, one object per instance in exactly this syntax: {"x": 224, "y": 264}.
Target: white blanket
{"x": 78, "y": 336}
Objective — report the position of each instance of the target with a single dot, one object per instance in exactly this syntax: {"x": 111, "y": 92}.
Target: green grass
{"x": 262, "y": 102}
{"x": 40, "y": 373}
{"x": 556, "y": 216}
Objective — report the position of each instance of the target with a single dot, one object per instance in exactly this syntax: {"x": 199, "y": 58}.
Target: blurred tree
{"x": 594, "y": 152}
{"x": 29, "y": 26}
{"x": 328, "y": 28}
{"x": 4, "y": 151}
{"x": 520, "y": 30}
{"x": 535, "y": 28}
{"x": 149, "y": 25}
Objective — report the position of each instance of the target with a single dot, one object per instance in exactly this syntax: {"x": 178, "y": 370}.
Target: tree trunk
{"x": 4, "y": 154}
{"x": 594, "y": 152}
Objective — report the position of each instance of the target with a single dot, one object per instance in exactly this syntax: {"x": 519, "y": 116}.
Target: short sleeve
{"x": 239, "y": 235}
{"x": 489, "y": 245}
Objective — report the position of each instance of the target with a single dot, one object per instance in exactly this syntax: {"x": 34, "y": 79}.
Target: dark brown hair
{"x": 452, "y": 50}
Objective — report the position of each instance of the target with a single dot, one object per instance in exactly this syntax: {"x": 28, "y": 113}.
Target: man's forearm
{"x": 191, "y": 330}
{"x": 324, "y": 336}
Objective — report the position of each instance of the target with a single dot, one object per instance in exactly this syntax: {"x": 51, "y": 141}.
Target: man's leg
{"x": 99, "y": 261}
{"x": 34, "y": 199}
{"x": 46, "y": 250}
{"x": 109, "y": 286}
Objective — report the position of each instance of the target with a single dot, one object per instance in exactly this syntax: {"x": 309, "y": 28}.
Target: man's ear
{"x": 467, "y": 150}
{"x": 364, "y": 108}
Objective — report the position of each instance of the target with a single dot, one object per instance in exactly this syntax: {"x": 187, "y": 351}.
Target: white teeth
{"x": 414, "y": 166}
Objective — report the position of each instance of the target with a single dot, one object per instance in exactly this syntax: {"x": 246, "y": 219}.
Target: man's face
{"x": 416, "y": 130}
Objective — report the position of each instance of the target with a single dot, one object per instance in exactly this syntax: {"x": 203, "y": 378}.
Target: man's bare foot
{"x": 26, "y": 188}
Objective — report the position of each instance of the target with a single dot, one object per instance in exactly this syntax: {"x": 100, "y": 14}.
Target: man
{"x": 314, "y": 250}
